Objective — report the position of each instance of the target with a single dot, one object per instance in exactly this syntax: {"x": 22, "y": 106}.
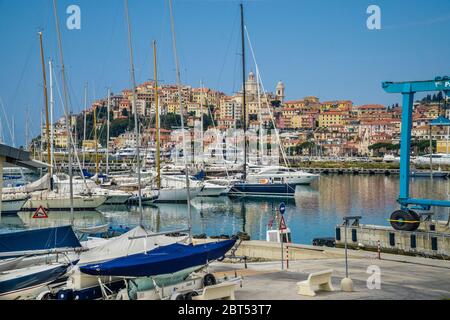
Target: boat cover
{"x": 162, "y": 260}
{"x": 124, "y": 246}
{"x": 25, "y": 242}
{"x": 38, "y": 185}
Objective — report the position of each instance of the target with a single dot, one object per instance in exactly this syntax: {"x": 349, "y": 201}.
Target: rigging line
{"x": 71, "y": 137}
{"x": 265, "y": 95}
{"x": 72, "y": 95}
{"x": 227, "y": 50}
{"x": 161, "y": 41}
{"x": 108, "y": 49}
{"x": 22, "y": 75}
{"x": 6, "y": 120}
{"x": 234, "y": 88}
{"x": 215, "y": 130}
{"x": 133, "y": 95}
{"x": 180, "y": 101}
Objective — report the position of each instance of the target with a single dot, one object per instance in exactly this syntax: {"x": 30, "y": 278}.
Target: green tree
{"x": 307, "y": 145}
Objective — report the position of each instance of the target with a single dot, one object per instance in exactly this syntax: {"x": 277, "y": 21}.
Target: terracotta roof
{"x": 371, "y": 106}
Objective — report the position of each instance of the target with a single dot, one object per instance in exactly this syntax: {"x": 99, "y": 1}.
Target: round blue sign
{"x": 282, "y": 208}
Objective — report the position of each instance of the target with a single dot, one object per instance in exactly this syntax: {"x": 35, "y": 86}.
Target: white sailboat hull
{"x": 13, "y": 206}
{"x": 168, "y": 195}
{"x": 62, "y": 202}
{"x": 212, "y": 190}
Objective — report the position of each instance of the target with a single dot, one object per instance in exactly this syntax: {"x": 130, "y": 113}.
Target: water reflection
{"x": 81, "y": 219}
{"x": 313, "y": 212}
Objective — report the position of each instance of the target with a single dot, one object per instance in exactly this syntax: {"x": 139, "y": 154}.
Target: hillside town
{"x": 307, "y": 126}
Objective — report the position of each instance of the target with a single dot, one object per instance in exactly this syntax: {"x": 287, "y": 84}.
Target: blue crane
{"x": 406, "y": 219}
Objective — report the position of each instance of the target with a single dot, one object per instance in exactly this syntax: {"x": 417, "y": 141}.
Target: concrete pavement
{"x": 401, "y": 277}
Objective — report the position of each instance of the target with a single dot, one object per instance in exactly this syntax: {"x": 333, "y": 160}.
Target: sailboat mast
{"x": 136, "y": 124}
{"x": 66, "y": 107}
{"x": 47, "y": 126}
{"x": 157, "y": 127}
{"x": 260, "y": 118}
{"x": 180, "y": 100}
{"x": 26, "y": 130}
{"x": 108, "y": 121}
{"x": 202, "y": 146}
{"x": 52, "y": 109}
{"x": 42, "y": 136}
{"x": 85, "y": 120}
{"x": 96, "y": 142}
{"x": 244, "y": 93}
{"x": 1, "y": 131}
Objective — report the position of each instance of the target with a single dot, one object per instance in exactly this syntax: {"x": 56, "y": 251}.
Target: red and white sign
{"x": 40, "y": 213}
{"x": 282, "y": 224}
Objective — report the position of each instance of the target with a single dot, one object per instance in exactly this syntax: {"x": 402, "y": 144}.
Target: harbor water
{"x": 314, "y": 211}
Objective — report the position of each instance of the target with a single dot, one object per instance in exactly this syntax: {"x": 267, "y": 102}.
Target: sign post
{"x": 281, "y": 228}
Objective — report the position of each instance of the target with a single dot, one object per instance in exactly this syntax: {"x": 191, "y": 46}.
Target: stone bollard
{"x": 347, "y": 285}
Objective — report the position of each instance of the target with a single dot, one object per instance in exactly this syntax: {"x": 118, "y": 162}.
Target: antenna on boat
{"x": 177, "y": 64}
{"x": 136, "y": 124}
{"x": 66, "y": 108}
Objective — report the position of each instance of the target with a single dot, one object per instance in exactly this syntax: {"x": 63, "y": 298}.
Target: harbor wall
{"x": 431, "y": 240}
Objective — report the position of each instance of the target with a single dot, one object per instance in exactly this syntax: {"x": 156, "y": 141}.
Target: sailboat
{"x": 167, "y": 259}
{"x": 163, "y": 260}
{"x": 169, "y": 188}
{"x": 277, "y": 181}
{"x": 52, "y": 199}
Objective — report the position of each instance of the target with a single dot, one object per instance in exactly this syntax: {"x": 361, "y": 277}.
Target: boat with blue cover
{"x": 38, "y": 241}
{"x": 163, "y": 260}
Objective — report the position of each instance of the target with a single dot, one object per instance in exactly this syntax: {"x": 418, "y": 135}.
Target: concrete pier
{"x": 401, "y": 277}
{"x": 414, "y": 279}
{"x": 432, "y": 239}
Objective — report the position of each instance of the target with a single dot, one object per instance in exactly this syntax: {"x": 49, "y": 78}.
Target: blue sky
{"x": 316, "y": 47}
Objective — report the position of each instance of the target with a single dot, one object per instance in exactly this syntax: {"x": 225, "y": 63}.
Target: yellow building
{"x": 89, "y": 144}
{"x": 443, "y": 146}
{"x": 173, "y": 107}
{"x": 61, "y": 140}
{"x": 296, "y": 121}
{"x": 328, "y": 118}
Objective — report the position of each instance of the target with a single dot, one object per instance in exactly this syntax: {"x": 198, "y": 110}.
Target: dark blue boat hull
{"x": 31, "y": 280}
{"x": 262, "y": 190}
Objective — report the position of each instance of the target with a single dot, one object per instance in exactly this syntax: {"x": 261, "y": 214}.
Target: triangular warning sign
{"x": 282, "y": 224}
{"x": 40, "y": 213}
